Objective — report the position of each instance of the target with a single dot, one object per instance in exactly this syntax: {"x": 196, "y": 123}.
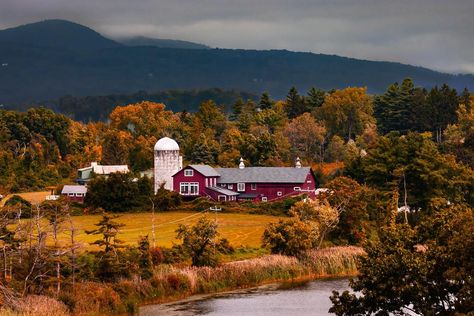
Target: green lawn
{"x": 240, "y": 229}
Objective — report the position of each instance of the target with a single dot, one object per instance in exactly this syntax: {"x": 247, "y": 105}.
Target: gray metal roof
{"x": 223, "y": 190}
{"x": 74, "y": 189}
{"x": 205, "y": 170}
{"x": 263, "y": 175}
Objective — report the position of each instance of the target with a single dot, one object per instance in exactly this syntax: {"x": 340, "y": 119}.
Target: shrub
{"x": 157, "y": 255}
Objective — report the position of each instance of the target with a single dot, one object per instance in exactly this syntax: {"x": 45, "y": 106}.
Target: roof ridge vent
{"x": 298, "y": 163}
{"x": 241, "y": 164}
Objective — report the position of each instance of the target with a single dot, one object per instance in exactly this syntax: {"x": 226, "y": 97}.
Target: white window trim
{"x": 219, "y": 198}
{"x": 188, "y": 172}
{"x": 264, "y": 199}
{"x": 297, "y": 188}
{"x": 241, "y": 187}
{"x": 187, "y": 188}
{"x": 253, "y": 186}
{"x": 230, "y": 186}
{"x": 207, "y": 182}
{"x": 279, "y": 193}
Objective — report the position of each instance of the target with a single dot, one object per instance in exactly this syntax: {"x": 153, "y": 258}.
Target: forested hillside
{"x": 98, "y": 108}
{"x": 39, "y": 64}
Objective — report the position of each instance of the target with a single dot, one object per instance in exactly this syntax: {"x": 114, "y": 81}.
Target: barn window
{"x": 254, "y": 186}
{"x": 189, "y": 188}
{"x": 241, "y": 187}
{"x": 230, "y": 186}
{"x": 279, "y": 193}
{"x": 297, "y": 189}
{"x": 264, "y": 199}
{"x": 309, "y": 181}
{"x": 188, "y": 172}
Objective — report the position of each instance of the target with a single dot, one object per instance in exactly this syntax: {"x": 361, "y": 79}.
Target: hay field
{"x": 239, "y": 229}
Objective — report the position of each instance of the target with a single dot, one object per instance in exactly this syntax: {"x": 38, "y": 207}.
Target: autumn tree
{"x": 291, "y": 237}
{"x": 116, "y": 147}
{"x": 199, "y": 241}
{"x": 307, "y": 138}
{"x": 144, "y": 118}
{"x": 424, "y": 270}
{"x": 346, "y": 112}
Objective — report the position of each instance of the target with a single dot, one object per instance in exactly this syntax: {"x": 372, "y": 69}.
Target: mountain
{"x": 161, "y": 43}
{"x": 42, "y": 62}
{"x": 59, "y": 34}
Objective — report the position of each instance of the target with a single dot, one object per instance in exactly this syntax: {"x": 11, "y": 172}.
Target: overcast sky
{"x": 438, "y": 34}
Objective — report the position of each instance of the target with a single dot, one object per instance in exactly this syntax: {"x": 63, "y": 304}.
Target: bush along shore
{"x": 169, "y": 283}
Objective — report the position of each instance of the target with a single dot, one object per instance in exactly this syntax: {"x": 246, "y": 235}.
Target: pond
{"x": 309, "y": 298}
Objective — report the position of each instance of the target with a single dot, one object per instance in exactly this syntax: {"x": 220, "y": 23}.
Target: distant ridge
{"x": 50, "y": 59}
{"x": 56, "y": 34}
{"x": 161, "y": 43}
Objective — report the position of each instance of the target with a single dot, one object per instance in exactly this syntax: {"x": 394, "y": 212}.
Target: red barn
{"x": 244, "y": 183}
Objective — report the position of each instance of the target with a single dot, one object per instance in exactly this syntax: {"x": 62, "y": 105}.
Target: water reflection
{"x": 310, "y": 298}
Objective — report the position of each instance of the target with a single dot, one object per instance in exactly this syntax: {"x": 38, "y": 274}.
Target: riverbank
{"x": 275, "y": 299}
{"x": 172, "y": 283}
{"x": 324, "y": 263}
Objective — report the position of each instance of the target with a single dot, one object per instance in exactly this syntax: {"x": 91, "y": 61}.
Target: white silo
{"x": 167, "y": 162}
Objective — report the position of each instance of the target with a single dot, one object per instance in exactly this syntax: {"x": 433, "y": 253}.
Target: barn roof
{"x": 223, "y": 191}
{"x": 263, "y": 175}
{"x": 205, "y": 170}
{"x": 74, "y": 189}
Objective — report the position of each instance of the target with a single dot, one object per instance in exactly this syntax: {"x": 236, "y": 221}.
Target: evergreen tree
{"x": 109, "y": 265}
{"x": 265, "y": 101}
{"x": 465, "y": 99}
{"x": 443, "y": 103}
{"x": 237, "y": 109}
{"x": 145, "y": 261}
{"x": 295, "y": 104}
{"x": 315, "y": 98}
{"x": 202, "y": 152}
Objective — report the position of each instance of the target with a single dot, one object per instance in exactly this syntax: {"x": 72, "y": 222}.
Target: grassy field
{"x": 32, "y": 197}
{"x": 239, "y": 229}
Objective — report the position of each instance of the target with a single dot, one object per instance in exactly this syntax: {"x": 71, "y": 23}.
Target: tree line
{"x": 39, "y": 147}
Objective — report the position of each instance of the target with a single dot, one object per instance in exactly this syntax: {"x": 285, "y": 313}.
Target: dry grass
{"x": 37, "y": 305}
{"x": 239, "y": 229}
{"x": 335, "y": 261}
{"x": 32, "y": 197}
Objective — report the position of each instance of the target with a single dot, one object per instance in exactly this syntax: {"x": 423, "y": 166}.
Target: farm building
{"x": 258, "y": 184}
{"x": 75, "y": 193}
{"x": 84, "y": 175}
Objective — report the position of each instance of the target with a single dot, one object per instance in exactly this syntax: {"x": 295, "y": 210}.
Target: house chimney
{"x": 298, "y": 163}
{"x": 241, "y": 164}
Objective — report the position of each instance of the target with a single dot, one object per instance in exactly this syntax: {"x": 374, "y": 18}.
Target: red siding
{"x": 270, "y": 190}
{"x": 179, "y": 177}
{"x": 79, "y": 199}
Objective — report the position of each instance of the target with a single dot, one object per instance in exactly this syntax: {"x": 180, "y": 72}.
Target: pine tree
{"x": 265, "y": 101}
{"x": 315, "y": 98}
{"x": 109, "y": 266}
{"x": 295, "y": 104}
